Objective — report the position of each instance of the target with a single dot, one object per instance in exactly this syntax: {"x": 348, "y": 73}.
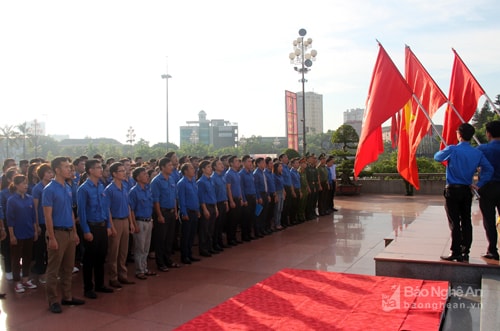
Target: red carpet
{"x": 314, "y": 300}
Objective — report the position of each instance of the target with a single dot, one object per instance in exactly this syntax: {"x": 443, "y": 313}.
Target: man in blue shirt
{"x": 141, "y": 211}
{"x": 93, "y": 212}
{"x": 462, "y": 162}
{"x": 163, "y": 189}
{"x": 490, "y": 193}
{"x": 222, "y": 204}
{"x": 234, "y": 195}
{"x": 189, "y": 209}
{"x": 208, "y": 209}
{"x": 263, "y": 198}
{"x": 57, "y": 205}
{"x": 249, "y": 199}
{"x": 121, "y": 226}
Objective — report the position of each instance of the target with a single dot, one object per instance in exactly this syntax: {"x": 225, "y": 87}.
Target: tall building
{"x": 354, "y": 117}
{"x": 219, "y": 133}
{"x": 314, "y": 113}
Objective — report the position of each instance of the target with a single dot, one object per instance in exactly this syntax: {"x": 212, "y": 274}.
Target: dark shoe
{"x": 3, "y": 295}
{"x": 453, "y": 257}
{"x": 55, "y": 308}
{"x": 174, "y": 265}
{"x": 205, "y": 254}
{"x": 126, "y": 281}
{"x": 465, "y": 257}
{"x": 213, "y": 251}
{"x": 490, "y": 256}
{"x": 335, "y": 209}
{"x": 115, "y": 284}
{"x": 218, "y": 249}
{"x": 186, "y": 261}
{"x": 225, "y": 246}
{"x": 105, "y": 289}
{"x": 194, "y": 259}
{"x": 73, "y": 302}
{"x": 90, "y": 294}
{"x": 150, "y": 274}
{"x": 239, "y": 241}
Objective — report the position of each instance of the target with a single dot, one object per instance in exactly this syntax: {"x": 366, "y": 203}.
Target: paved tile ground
{"x": 344, "y": 242}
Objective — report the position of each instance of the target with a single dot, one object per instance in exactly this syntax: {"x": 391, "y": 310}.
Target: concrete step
{"x": 490, "y": 302}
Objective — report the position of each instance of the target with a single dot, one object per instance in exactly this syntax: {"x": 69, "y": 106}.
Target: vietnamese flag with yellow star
{"x": 414, "y": 123}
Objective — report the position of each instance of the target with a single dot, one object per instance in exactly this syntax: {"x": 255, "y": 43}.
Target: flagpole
{"x": 461, "y": 119}
{"x": 424, "y": 111}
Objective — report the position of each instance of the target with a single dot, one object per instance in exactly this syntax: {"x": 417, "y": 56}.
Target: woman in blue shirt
{"x": 21, "y": 221}
{"x": 5, "y": 194}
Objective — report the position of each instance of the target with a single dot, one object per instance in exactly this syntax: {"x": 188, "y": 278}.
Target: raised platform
{"x": 295, "y": 299}
{"x": 415, "y": 252}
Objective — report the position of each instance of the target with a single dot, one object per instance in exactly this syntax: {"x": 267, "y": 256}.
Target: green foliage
{"x": 291, "y": 153}
{"x": 347, "y": 136}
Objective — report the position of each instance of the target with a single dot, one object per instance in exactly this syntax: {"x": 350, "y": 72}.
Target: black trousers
{"x": 94, "y": 258}
{"x": 163, "y": 237}
{"x": 5, "y": 246}
{"x": 260, "y": 220}
{"x": 220, "y": 224}
{"x": 188, "y": 232}
{"x": 40, "y": 253}
{"x": 248, "y": 219}
{"x": 233, "y": 219}
{"x": 205, "y": 230}
{"x": 458, "y": 209}
{"x": 287, "y": 206}
{"x": 489, "y": 203}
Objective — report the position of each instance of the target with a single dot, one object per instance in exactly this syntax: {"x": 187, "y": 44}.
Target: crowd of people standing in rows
{"x": 94, "y": 214}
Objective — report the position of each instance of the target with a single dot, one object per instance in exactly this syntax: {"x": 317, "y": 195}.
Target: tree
{"x": 8, "y": 134}
{"x": 347, "y": 136}
{"x": 23, "y": 134}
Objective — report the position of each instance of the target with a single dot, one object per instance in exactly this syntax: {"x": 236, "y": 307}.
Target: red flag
{"x": 464, "y": 95}
{"x": 414, "y": 122}
{"x": 387, "y": 94}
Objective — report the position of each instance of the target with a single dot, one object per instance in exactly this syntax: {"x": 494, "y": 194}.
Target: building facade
{"x": 218, "y": 133}
{"x": 314, "y": 113}
{"x": 354, "y": 117}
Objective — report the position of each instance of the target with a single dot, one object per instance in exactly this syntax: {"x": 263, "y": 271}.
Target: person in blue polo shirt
{"x": 57, "y": 202}
{"x": 21, "y": 221}
{"x": 141, "y": 212}
{"x": 249, "y": 199}
{"x": 117, "y": 194}
{"x": 93, "y": 212}
{"x": 263, "y": 198}
{"x": 208, "y": 207}
{"x": 463, "y": 162}
{"x": 189, "y": 209}
{"x": 234, "y": 195}
{"x": 45, "y": 173}
{"x": 490, "y": 193}
{"x": 163, "y": 188}
{"x": 222, "y": 204}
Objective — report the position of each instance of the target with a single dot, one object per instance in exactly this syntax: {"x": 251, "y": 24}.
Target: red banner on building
{"x": 292, "y": 127}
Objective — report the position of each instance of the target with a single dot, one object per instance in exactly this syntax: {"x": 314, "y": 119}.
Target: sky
{"x": 93, "y": 68}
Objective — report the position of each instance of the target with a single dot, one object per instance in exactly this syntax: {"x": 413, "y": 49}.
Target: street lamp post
{"x": 303, "y": 62}
{"x": 167, "y": 77}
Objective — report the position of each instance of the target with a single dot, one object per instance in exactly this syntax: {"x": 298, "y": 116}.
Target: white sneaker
{"x": 19, "y": 288}
{"x": 8, "y": 276}
{"x": 42, "y": 280}
{"x": 29, "y": 284}
{"x": 75, "y": 270}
